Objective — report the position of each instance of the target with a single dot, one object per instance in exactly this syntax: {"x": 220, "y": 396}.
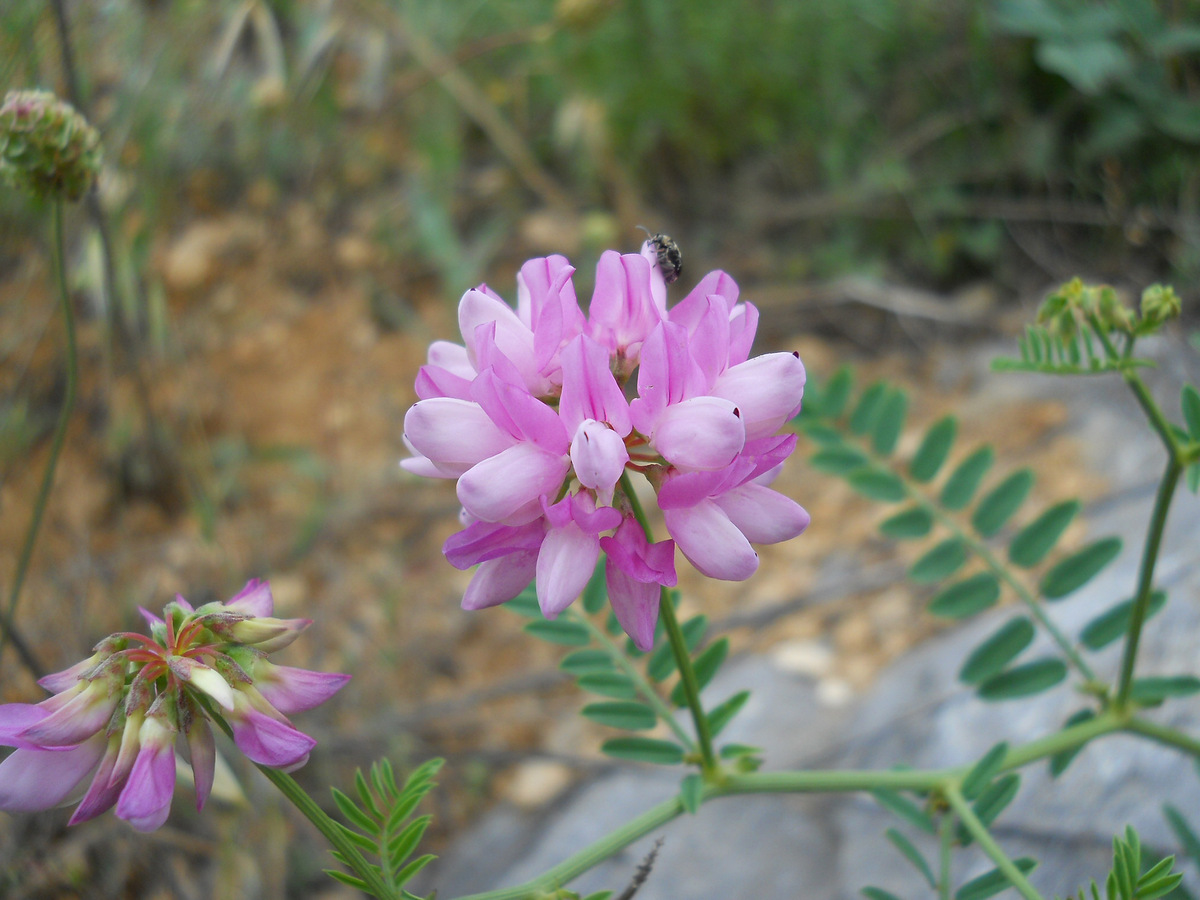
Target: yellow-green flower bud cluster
{"x": 46, "y": 146}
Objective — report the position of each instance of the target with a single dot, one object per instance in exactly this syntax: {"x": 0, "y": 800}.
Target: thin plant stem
{"x": 640, "y": 682}
{"x": 1141, "y": 602}
{"x": 946, "y": 849}
{"x": 1165, "y": 735}
{"x": 683, "y": 660}
{"x": 988, "y": 844}
{"x": 60, "y": 428}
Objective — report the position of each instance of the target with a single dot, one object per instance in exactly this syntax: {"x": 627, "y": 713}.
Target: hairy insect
{"x": 667, "y": 252}
{"x": 642, "y": 873}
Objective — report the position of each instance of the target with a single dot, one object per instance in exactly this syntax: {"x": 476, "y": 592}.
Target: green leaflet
{"x": 691, "y": 792}
{"x": 662, "y": 661}
{"x": 721, "y": 714}
{"x": 1190, "y": 402}
{"x": 984, "y": 771}
{"x": 627, "y": 714}
{"x": 1025, "y": 680}
{"x": 1157, "y": 689}
{"x": 993, "y": 882}
{"x": 998, "y": 506}
{"x": 838, "y": 459}
{"x": 1031, "y": 544}
{"x": 583, "y": 661}
{"x": 705, "y": 666}
{"x": 1072, "y": 573}
{"x": 889, "y": 421}
{"x": 960, "y": 487}
{"x": 967, "y": 597}
{"x": 939, "y": 562}
{"x": 835, "y": 393}
{"x": 596, "y": 593}
{"x": 1113, "y": 623}
{"x": 877, "y": 484}
{"x": 997, "y": 651}
{"x": 869, "y": 404}
{"x": 609, "y": 684}
{"x": 1060, "y": 761}
{"x": 643, "y": 749}
{"x": 560, "y": 631}
{"x": 912, "y": 854}
{"x": 876, "y": 893}
{"x": 934, "y": 449}
{"x": 914, "y": 522}
{"x": 897, "y": 803}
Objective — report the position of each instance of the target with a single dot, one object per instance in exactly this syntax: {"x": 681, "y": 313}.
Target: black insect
{"x": 669, "y": 258}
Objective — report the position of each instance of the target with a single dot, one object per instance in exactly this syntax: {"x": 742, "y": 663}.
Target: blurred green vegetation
{"x": 906, "y": 136}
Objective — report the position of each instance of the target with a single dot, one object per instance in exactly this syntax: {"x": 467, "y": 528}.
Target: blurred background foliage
{"x": 910, "y": 138}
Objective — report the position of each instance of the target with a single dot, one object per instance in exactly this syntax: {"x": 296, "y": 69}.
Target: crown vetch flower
{"x": 531, "y": 417}
{"x": 110, "y": 731}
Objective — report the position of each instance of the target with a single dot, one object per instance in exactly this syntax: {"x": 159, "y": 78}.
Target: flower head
{"x": 46, "y": 146}
{"x": 111, "y": 728}
{"x": 535, "y": 418}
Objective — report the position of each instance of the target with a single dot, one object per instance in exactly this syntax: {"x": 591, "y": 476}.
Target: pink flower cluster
{"x": 115, "y": 717}
{"x": 530, "y": 415}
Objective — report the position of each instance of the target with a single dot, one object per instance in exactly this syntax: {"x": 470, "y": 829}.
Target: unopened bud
{"x": 1159, "y": 304}
{"x": 46, "y": 146}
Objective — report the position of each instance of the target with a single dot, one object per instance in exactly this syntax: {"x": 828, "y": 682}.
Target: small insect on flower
{"x": 670, "y": 260}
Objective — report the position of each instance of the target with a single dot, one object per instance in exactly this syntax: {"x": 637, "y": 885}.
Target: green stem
{"x": 1164, "y": 734}
{"x": 683, "y": 660}
{"x": 634, "y": 674}
{"x": 1141, "y": 602}
{"x": 1140, "y": 391}
{"x": 946, "y": 848}
{"x": 60, "y": 428}
{"x": 333, "y": 833}
{"x": 985, "y": 840}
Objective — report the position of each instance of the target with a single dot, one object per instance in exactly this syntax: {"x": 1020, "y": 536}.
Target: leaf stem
{"x": 60, "y": 428}
{"x": 1141, "y": 602}
{"x": 683, "y": 660}
{"x": 1164, "y": 734}
{"x": 640, "y": 682}
{"x": 988, "y": 844}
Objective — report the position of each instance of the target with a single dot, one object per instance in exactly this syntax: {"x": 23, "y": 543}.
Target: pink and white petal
{"x": 764, "y": 516}
{"x": 703, "y": 433}
{"x": 523, "y": 416}
{"x": 634, "y": 603}
{"x": 75, "y": 721}
{"x": 42, "y": 779}
{"x": 453, "y": 432}
{"x": 268, "y": 741}
{"x": 711, "y": 542}
{"x": 743, "y": 323}
{"x": 253, "y": 600}
{"x": 599, "y": 456}
{"x": 589, "y": 389}
{"x": 291, "y": 690}
{"x": 102, "y": 792}
{"x": 481, "y": 541}
{"x": 452, "y": 358}
{"x": 145, "y": 801}
{"x": 767, "y": 390}
{"x": 499, "y": 580}
{"x": 564, "y": 567}
{"x": 434, "y": 381}
{"x": 15, "y": 718}
{"x": 505, "y": 484}
{"x": 513, "y": 337}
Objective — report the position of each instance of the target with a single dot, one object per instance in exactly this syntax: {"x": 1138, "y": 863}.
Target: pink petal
{"x": 711, "y": 542}
{"x": 15, "y": 718}
{"x": 76, "y": 720}
{"x": 451, "y": 358}
{"x": 599, "y": 456}
{"x": 634, "y": 603}
{"x": 564, "y": 567}
{"x": 103, "y": 791}
{"x": 267, "y": 740}
{"x": 767, "y": 391}
{"x": 42, "y": 779}
{"x": 499, "y": 580}
{"x": 764, "y": 516}
{"x": 624, "y": 309}
{"x": 515, "y": 410}
{"x": 433, "y": 381}
{"x": 291, "y": 690}
{"x": 640, "y": 560}
{"x": 454, "y": 434}
{"x": 58, "y": 682}
{"x": 589, "y": 389}
{"x": 513, "y": 338}
{"x": 508, "y": 484}
{"x": 481, "y": 541}
{"x": 145, "y": 801}
{"x": 253, "y": 600}
{"x": 704, "y": 433}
